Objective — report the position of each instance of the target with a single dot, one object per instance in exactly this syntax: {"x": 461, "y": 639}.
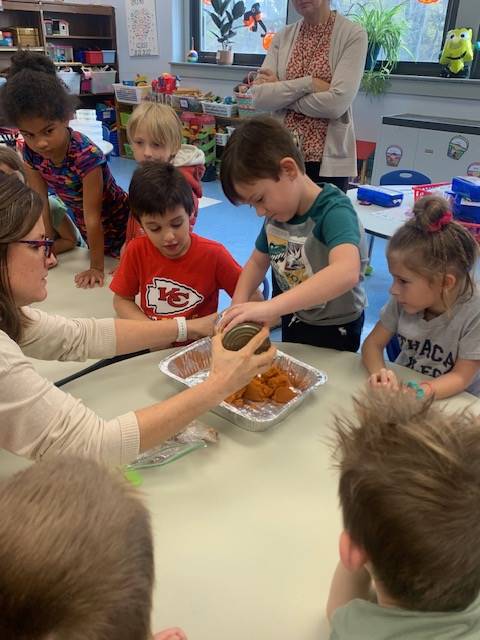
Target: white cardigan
{"x": 39, "y": 420}
{"x": 347, "y": 59}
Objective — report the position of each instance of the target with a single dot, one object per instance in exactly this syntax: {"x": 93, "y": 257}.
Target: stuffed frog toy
{"x": 457, "y": 53}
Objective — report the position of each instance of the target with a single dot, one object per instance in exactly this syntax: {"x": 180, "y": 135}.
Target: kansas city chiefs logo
{"x": 166, "y": 296}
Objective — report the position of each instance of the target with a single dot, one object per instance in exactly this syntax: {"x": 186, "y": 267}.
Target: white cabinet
{"x": 437, "y": 147}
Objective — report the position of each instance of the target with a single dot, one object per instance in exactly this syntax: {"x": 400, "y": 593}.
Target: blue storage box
{"x": 108, "y": 56}
{"x": 383, "y": 196}
{"x": 467, "y": 186}
{"x": 465, "y": 209}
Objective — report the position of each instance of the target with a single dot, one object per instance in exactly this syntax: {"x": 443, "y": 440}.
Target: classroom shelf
{"x": 8, "y": 49}
{"x": 79, "y": 37}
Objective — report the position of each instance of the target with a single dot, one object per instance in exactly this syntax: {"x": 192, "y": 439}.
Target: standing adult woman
{"x": 310, "y": 76}
{"x": 36, "y": 418}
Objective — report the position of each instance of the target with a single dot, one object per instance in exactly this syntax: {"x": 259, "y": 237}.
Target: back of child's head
{"x": 10, "y": 160}
{"x": 254, "y": 152}
{"x": 33, "y": 90}
{"x": 159, "y": 123}
{"x": 432, "y": 244}
{"x": 410, "y": 496}
{"x": 158, "y": 187}
{"x": 76, "y": 558}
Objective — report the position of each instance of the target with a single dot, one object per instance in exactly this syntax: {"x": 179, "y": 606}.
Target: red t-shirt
{"x": 187, "y": 286}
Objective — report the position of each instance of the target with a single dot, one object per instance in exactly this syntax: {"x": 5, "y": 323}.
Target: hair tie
{"x": 441, "y": 222}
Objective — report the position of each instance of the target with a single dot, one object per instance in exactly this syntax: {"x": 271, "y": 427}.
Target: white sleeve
{"x": 51, "y": 337}
{"x": 38, "y": 420}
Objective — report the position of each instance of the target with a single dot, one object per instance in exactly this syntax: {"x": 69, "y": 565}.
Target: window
{"x": 248, "y": 41}
{"x": 423, "y": 41}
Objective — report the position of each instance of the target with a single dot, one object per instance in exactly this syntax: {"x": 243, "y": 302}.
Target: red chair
{"x": 365, "y": 151}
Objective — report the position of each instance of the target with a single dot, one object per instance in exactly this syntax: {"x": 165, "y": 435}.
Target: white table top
{"x": 383, "y": 221}
{"x": 246, "y": 531}
{"x": 65, "y": 299}
{"x": 105, "y": 146}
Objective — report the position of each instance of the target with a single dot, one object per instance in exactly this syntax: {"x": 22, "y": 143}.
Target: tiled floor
{"x": 237, "y": 228}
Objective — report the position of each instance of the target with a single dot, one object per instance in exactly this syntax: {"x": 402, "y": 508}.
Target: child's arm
{"x": 372, "y": 358}
{"x": 453, "y": 382}
{"x": 92, "y": 212}
{"x": 341, "y": 274}
{"x": 68, "y": 238}
{"x": 346, "y": 586}
{"x": 38, "y": 184}
{"x": 127, "y": 308}
{"x": 251, "y": 277}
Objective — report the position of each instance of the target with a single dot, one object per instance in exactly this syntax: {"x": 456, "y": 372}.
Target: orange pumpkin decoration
{"x": 427, "y": 1}
{"x": 267, "y": 40}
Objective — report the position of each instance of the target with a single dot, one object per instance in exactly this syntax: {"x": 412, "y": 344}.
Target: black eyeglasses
{"x": 47, "y": 244}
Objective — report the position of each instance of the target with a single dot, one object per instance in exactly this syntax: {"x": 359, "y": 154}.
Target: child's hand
{"x": 261, "y": 312}
{"x": 170, "y": 634}
{"x": 201, "y": 327}
{"x": 89, "y": 278}
{"x": 384, "y": 379}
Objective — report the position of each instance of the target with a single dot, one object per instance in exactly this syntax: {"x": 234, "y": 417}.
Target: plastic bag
{"x": 194, "y": 436}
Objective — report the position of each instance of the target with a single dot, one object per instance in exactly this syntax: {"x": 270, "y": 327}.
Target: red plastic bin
{"x": 94, "y": 57}
{"x": 420, "y": 190}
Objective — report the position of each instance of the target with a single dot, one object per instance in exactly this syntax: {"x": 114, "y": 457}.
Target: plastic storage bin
{"x": 130, "y": 94}
{"x": 219, "y": 109}
{"x": 108, "y": 56}
{"x": 102, "y": 81}
{"x": 71, "y": 79}
{"x": 93, "y": 57}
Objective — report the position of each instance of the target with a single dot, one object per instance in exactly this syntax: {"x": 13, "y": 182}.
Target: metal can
{"x": 240, "y": 335}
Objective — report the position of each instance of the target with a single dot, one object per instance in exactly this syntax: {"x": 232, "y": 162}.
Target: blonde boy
{"x": 76, "y": 558}
{"x": 410, "y": 497}
{"x": 155, "y": 133}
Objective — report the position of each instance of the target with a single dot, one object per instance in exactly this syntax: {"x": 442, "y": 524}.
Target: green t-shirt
{"x": 300, "y": 248}
{"x": 362, "y": 620}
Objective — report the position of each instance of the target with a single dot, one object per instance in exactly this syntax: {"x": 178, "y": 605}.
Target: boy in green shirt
{"x": 311, "y": 238}
{"x": 410, "y": 497}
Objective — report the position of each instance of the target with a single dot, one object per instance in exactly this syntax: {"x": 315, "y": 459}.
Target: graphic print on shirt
{"x": 166, "y": 297}
{"x": 288, "y": 258}
{"x": 426, "y": 357}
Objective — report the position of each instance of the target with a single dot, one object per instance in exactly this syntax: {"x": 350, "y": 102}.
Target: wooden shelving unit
{"x": 93, "y": 25}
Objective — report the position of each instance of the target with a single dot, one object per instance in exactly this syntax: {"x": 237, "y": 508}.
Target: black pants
{"x": 312, "y": 170}
{"x": 344, "y": 337}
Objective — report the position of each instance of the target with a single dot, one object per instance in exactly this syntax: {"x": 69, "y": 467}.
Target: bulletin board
{"x": 141, "y": 27}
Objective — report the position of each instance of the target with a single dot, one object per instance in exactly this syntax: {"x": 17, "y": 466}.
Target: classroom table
{"x": 65, "y": 299}
{"x": 246, "y": 531}
{"x": 382, "y": 222}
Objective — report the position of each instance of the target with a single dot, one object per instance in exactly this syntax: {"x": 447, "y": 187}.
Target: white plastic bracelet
{"x": 182, "y": 332}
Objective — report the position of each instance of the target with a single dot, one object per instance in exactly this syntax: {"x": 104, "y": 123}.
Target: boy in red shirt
{"x": 176, "y": 272}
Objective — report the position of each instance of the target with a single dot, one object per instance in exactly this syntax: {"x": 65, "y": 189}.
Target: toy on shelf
{"x": 141, "y": 80}
{"x": 163, "y": 87}
{"x": 199, "y": 130}
{"x": 457, "y": 53}
{"x": 192, "y": 55}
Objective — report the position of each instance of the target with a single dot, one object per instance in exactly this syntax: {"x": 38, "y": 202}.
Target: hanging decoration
{"x": 427, "y": 1}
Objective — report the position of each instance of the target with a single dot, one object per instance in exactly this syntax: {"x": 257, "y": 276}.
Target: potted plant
{"x": 385, "y": 29}
{"x": 224, "y": 17}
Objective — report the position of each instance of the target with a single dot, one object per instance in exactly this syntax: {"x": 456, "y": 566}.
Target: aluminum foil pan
{"x": 191, "y": 365}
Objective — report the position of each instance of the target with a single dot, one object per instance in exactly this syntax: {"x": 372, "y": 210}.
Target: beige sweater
{"x": 347, "y": 59}
{"x": 36, "y": 418}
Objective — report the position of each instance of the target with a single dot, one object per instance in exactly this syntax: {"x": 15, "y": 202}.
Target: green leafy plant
{"x": 224, "y": 17}
{"x": 385, "y": 29}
